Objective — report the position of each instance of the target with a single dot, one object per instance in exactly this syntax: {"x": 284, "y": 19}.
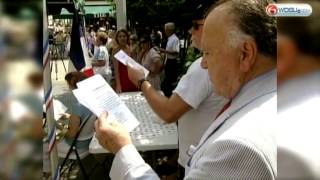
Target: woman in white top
{"x": 151, "y": 60}
{"x": 100, "y": 62}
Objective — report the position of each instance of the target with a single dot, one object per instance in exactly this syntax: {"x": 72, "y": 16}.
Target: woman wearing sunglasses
{"x": 151, "y": 60}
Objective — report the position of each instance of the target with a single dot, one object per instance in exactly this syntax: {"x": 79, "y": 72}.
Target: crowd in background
{"x": 146, "y": 46}
{"x": 103, "y": 44}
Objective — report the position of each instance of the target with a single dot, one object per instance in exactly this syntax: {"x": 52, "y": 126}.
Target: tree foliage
{"x": 154, "y": 12}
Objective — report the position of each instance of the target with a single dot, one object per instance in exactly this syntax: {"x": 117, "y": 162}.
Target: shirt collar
{"x": 261, "y": 85}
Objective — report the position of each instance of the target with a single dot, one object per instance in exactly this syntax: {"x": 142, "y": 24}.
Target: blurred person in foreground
{"x": 22, "y": 132}
{"x": 240, "y": 143}
{"x": 299, "y": 96}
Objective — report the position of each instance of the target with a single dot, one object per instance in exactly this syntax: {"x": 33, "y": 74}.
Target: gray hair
{"x": 235, "y": 37}
{"x": 252, "y": 20}
{"x": 170, "y": 26}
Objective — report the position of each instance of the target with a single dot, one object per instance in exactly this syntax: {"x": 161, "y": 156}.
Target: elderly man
{"x": 171, "y": 64}
{"x": 299, "y": 96}
{"x": 239, "y": 144}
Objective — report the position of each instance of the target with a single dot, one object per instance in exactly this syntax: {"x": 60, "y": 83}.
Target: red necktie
{"x": 225, "y": 107}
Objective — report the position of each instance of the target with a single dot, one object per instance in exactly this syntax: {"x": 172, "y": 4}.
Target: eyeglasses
{"x": 196, "y": 25}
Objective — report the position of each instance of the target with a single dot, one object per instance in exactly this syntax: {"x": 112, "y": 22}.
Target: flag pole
{"x": 55, "y": 169}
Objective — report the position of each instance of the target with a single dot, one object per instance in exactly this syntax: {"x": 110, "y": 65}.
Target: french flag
{"x": 79, "y": 54}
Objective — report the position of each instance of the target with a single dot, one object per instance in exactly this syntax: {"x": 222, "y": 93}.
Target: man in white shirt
{"x": 193, "y": 108}
{"x": 299, "y": 96}
{"x": 239, "y": 144}
{"x": 171, "y": 63}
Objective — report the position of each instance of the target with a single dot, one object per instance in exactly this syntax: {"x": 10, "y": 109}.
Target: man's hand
{"x": 111, "y": 135}
{"x": 135, "y": 74}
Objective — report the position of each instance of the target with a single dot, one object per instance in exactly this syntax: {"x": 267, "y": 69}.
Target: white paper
{"x": 96, "y": 94}
{"x": 82, "y": 99}
{"x": 59, "y": 109}
{"x": 125, "y": 59}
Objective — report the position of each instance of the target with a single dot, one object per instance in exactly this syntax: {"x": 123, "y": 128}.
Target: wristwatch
{"x": 140, "y": 82}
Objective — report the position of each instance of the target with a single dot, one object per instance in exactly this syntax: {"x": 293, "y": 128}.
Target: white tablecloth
{"x": 151, "y": 134}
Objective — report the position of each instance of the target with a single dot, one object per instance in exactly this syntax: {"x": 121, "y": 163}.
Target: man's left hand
{"x": 111, "y": 135}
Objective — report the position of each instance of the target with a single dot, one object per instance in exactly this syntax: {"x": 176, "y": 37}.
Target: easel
{"x": 57, "y": 51}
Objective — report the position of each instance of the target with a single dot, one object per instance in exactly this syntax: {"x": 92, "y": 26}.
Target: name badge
{"x": 190, "y": 153}
{"x": 191, "y": 150}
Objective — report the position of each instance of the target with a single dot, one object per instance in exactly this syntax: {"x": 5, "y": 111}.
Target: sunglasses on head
{"x": 196, "y": 25}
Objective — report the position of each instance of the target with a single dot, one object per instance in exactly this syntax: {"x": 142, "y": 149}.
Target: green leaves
{"x": 153, "y": 12}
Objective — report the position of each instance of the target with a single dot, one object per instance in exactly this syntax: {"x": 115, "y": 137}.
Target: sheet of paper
{"x": 59, "y": 109}
{"x": 125, "y": 59}
{"x": 96, "y": 94}
{"x": 81, "y": 99}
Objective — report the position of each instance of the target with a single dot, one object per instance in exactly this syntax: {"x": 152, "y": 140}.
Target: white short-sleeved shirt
{"x": 196, "y": 90}
{"x": 101, "y": 54}
{"x": 173, "y": 44}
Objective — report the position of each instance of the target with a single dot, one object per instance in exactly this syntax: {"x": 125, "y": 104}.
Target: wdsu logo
{"x": 289, "y": 9}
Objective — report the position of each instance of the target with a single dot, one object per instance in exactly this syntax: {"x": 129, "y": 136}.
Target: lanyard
{"x": 221, "y": 124}
{"x": 215, "y": 130}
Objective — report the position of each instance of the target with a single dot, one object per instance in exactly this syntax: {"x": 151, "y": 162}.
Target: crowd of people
{"x": 59, "y": 41}
{"x": 144, "y": 47}
{"x": 239, "y": 45}
{"x": 156, "y": 51}
{"x": 224, "y": 105}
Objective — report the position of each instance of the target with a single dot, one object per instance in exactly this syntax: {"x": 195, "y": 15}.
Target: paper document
{"x": 125, "y": 59}
{"x": 59, "y": 109}
{"x": 96, "y": 94}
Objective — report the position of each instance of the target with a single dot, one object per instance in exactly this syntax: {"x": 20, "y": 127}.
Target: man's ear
{"x": 248, "y": 55}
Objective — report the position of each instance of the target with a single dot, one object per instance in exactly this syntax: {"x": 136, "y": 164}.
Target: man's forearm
{"x": 158, "y": 102}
